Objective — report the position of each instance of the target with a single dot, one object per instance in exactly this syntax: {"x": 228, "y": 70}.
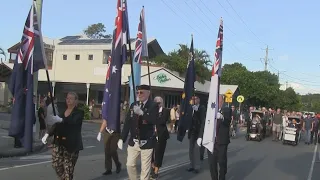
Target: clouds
{"x": 301, "y": 89}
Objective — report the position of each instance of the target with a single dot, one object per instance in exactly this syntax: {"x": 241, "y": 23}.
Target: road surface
{"x": 247, "y": 160}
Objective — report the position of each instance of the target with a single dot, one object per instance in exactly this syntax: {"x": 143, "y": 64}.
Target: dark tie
{"x": 217, "y": 128}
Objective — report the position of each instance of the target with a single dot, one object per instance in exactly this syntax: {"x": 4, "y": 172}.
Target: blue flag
{"x": 112, "y": 95}
{"x": 188, "y": 92}
{"x": 21, "y": 86}
{"x": 141, "y": 50}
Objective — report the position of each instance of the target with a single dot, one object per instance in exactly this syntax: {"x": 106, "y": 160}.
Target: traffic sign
{"x": 228, "y": 100}
{"x": 228, "y": 94}
{"x": 240, "y": 99}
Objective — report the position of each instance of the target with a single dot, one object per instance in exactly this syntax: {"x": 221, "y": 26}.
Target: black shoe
{"x": 118, "y": 168}
{"x": 108, "y": 172}
{"x": 154, "y": 176}
{"x": 190, "y": 169}
{"x": 196, "y": 171}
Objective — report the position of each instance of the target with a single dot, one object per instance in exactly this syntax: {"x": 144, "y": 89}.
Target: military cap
{"x": 143, "y": 87}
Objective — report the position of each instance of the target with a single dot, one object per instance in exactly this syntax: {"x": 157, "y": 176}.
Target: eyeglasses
{"x": 139, "y": 92}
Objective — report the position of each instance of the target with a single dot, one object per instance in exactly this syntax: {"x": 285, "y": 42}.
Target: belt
{"x": 141, "y": 142}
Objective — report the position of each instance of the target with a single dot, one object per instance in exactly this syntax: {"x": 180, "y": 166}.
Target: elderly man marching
{"x": 140, "y": 122}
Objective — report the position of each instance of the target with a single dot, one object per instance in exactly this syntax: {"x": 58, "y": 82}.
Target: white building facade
{"x": 79, "y": 64}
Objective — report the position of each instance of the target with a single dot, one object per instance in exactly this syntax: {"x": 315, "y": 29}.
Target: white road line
{"x": 25, "y": 165}
{"x": 181, "y": 164}
{"x": 88, "y": 147}
{"x": 312, "y": 163}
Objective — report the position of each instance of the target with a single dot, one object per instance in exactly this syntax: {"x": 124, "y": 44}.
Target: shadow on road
{"x": 241, "y": 169}
{"x": 297, "y": 166}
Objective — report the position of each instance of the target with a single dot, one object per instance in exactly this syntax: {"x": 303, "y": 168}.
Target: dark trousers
{"x": 176, "y": 125}
{"x": 110, "y": 149}
{"x": 63, "y": 162}
{"x": 17, "y": 143}
{"x": 202, "y": 150}
{"x": 158, "y": 152}
{"x": 314, "y": 137}
{"x": 218, "y": 157}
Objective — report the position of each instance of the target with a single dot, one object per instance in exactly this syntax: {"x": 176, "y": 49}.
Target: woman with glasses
{"x": 162, "y": 135}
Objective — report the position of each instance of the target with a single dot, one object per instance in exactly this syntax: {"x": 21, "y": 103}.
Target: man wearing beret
{"x": 140, "y": 121}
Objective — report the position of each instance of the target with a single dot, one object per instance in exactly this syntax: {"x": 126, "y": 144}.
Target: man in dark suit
{"x": 198, "y": 118}
{"x": 219, "y": 155}
{"x": 140, "y": 121}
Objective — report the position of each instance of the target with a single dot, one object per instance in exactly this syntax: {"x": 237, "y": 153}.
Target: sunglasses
{"x": 139, "y": 92}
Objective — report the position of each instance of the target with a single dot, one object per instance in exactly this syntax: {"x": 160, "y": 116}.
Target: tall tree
{"x": 177, "y": 60}
{"x": 96, "y": 31}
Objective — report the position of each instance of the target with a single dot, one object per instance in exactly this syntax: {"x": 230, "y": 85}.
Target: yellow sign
{"x": 228, "y": 94}
{"x": 240, "y": 99}
{"x": 228, "y": 100}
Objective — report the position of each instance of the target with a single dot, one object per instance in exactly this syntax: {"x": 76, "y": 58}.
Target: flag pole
{"x": 194, "y": 89}
{"x": 45, "y": 62}
{"x": 148, "y": 62}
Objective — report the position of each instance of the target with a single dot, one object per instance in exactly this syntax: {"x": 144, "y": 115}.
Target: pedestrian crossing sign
{"x": 229, "y": 94}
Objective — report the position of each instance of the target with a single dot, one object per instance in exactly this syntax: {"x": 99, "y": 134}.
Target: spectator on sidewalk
{"x": 42, "y": 116}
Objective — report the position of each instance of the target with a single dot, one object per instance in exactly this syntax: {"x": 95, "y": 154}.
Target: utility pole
{"x": 266, "y": 59}
{"x": 287, "y": 85}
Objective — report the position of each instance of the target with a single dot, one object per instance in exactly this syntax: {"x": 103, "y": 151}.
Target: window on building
{"x": 13, "y": 57}
{"x": 77, "y": 57}
{"x": 49, "y": 56}
{"x": 106, "y": 54}
{"x": 65, "y": 57}
{"x": 90, "y": 57}
{"x": 172, "y": 100}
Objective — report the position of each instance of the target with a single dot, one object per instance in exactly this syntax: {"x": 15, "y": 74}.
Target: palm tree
{"x": 3, "y": 53}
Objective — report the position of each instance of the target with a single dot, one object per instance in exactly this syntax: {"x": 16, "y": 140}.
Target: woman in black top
{"x": 162, "y": 135}
{"x": 42, "y": 116}
{"x": 67, "y": 138}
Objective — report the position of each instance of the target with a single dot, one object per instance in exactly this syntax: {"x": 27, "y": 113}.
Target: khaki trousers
{"x": 146, "y": 156}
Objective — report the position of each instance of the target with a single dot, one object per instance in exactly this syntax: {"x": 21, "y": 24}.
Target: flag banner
{"x": 188, "y": 92}
{"x": 141, "y": 50}
{"x": 21, "y": 86}
{"x": 112, "y": 94}
{"x": 209, "y": 134}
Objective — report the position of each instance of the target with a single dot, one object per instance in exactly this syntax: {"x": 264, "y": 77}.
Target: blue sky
{"x": 288, "y": 27}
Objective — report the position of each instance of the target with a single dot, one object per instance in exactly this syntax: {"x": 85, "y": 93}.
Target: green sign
{"x": 162, "y": 78}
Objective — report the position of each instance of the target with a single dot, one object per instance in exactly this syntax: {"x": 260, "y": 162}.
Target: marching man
{"x": 140, "y": 122}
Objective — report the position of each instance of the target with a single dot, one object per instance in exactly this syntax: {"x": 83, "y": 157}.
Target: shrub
{"x": 85, "y": 108}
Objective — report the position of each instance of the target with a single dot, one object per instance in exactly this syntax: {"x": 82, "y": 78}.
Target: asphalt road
{"x": 263, "y": 160}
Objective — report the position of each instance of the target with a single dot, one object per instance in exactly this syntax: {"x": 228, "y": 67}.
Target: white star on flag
{"x": 114, "y": 69}
{"x": 107, "y": 90}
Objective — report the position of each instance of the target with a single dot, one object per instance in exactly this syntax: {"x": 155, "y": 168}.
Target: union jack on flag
{"x": 216, "y": 68}
{"x": 141, "y": 49}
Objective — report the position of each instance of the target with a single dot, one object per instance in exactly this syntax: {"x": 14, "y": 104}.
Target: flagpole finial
{"x": 192, "y": 35}
{"x": 142, "y": 6}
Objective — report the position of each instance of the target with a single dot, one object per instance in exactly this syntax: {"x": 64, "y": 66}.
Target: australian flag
{"x": 112, "y": 94}
{"x": 21, "y": 86}
{"x": 188, "y": 91}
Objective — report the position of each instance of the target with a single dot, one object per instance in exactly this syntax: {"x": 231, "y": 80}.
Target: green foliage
{"x": 177, "y": 60}
{"x": 260, "y": 88}
{"x": 310, "y": 102}
{"x": 96, "y": 31}
{"x": 85, "y": 108}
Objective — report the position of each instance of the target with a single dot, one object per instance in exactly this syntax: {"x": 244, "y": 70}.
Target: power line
{"x": 245, "y": 23}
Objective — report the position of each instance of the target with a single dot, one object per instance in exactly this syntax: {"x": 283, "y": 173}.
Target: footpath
{"x": 7, "y": 143}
